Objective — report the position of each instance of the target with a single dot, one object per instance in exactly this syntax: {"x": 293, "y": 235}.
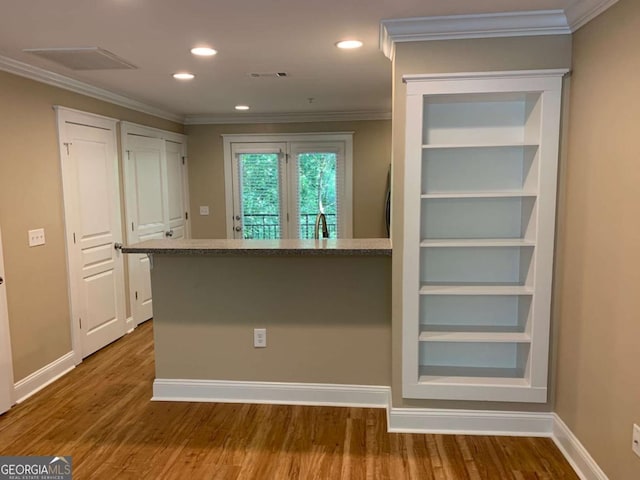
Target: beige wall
{"x": 598, "y": 383}
{"x": 31, "y": 197}
{"x": 327, "y": 318}
{"x": 520, "y": 53}
{"x": 371, "y": 159}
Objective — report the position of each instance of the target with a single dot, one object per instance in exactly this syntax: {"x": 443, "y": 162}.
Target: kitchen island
{"x": 325, "y": 305}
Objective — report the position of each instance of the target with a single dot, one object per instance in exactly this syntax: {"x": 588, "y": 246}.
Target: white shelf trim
{"x": 476, "y": 242}
{"x": 479, "y": 195}
{"x": 450, "y": 380}
{"x": 514, "y": 74}
{"x": 483, "y": 337}
{"x": 435, "y": 146}
{"x": 475, "y": 290}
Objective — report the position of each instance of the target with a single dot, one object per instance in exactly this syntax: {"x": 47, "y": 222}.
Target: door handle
{"x": 238, "y": 228}
{"x": 117, "y": 246}
{"x": 168, "y": 233}
{"x": 1, "y": 280}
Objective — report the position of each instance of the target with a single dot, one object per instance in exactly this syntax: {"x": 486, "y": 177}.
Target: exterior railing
{"x": 266, "y": 226}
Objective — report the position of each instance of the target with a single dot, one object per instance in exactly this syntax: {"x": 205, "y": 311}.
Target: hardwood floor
{"x": 100, "y": 414}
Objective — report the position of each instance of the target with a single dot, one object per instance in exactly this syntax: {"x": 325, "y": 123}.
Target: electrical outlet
{"x": 204, "y": 209}
{"x": 259, "y": 337}
{"x": 635, "y": 444}
{"x": 36, "y": 237}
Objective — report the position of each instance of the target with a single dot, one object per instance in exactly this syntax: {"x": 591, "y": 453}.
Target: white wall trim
{"x": 61, "y": 81}
{"x": 286, "y": 118}
{"x": 507, "y": 24}
{"x": 575, "y": 453}
{"x": 582, "y": 12}
{"x": 43, "y": 377}
{"x": 469, "y": 422}
{"x": 145, "y": 131}
{"x": 177, "y": 390}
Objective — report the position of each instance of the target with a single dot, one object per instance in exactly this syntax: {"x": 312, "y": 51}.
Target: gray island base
{"x": 325, "y": 305}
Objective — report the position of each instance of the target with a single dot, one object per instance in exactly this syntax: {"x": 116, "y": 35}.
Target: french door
{"x": 280, "y": 188}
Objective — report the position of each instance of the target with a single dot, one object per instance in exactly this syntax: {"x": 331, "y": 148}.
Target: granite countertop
{"x": 342, "y": 246}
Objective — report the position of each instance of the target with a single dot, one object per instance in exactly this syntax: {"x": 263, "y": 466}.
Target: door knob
{"x": 169, "y": 233}
{"x": 117, "y": 246}
{"x": 1, "y": 280}
{"x": 238, "y": 228}
{"x": 237, "y": 217}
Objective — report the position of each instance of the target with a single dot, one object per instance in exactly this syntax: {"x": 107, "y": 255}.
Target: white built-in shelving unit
{"x": 479, "y": 216}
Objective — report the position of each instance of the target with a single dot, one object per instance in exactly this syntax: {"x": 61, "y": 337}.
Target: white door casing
{"x": 93, "y": 228}
{"x": 156, "y": 199}
{"x": 6, "y": 363}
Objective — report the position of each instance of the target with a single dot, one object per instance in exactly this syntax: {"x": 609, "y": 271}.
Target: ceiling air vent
{"x": 86, "y": 58}
{"x": 269, "y": 75}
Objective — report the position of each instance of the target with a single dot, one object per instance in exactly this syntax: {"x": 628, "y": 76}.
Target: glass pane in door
{"x": 317, "y": 192}
{"x": 260, "y": 195}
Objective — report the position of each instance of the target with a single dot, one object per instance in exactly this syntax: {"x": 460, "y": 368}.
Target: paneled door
{"x": 147, "y": 202}
{"x": 156, "y": 195}
{"x": 176, "y": 190}
{"x": 93, "y": 228}
{"x": 6, "y": 364}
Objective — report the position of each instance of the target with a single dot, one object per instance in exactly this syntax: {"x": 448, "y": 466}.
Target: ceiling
{"x": 293, "y": 36}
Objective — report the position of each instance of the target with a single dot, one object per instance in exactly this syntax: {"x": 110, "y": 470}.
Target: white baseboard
{"x": 470, "y": 422}
{"x": 575, "y": 453}
{"x": 270, "y": 392}
{"x": 399, "y": 420}
{"x": 43, "y": 377}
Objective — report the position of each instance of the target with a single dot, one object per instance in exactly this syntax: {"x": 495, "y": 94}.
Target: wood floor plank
{"x": 101, "y": 414}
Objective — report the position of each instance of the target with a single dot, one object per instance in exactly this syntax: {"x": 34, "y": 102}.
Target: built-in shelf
{"x": 479, "y": 215}
{"x": 449, "y": 328}
{"x": 487, "y": 337}
{"x": 476, "y": 242}
{"x": 475, "y": 290}
{"x": 479, "y": 195}
{"x": 488, "y": 145}
{"x": 451, "y": 374}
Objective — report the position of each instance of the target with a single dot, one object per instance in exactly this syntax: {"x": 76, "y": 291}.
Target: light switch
{"x": 36, "y": 237}
{"x": 204, "y": 209}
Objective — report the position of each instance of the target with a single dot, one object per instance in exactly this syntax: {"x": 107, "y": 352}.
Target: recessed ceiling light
{"x": 183, "y": 76}
{"x": 242, "y": 107}
{"x": 349, "y": 44}
{"x": 203, "y": 51}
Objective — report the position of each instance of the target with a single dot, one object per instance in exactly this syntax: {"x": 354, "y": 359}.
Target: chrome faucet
{"x": 321, "y": 218}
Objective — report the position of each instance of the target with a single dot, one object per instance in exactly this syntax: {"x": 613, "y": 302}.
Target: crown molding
{"x": 286, "y": 118}
{"x": 508, "y": 24}
{"x": 583, "y": 11}
{"x": 50, "y": 78}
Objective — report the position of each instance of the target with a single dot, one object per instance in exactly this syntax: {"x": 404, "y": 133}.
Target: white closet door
{"x": 6, "y": 365}
{"x": 157, "y": 202}
{"x": 148, "y": 206}
{"x": 92, "y": 206}
{"x": 147, "y": 177}
{"x": 176, "y": 221}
